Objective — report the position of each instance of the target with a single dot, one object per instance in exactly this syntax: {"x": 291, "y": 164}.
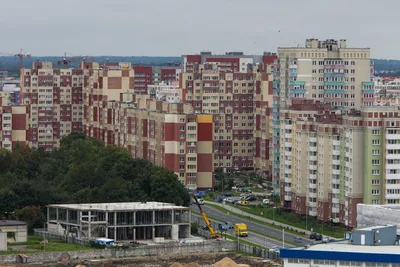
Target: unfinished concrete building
{"x": 133, "y": 221}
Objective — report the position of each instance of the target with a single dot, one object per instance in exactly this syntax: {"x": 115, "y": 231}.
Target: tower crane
{"x": 21, "y": 55}
{"x": 66, "y": 60}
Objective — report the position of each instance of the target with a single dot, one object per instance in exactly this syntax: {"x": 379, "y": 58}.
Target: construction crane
{"x": 203, "y": 214}
{"x": 66, "y": 60}
{"x": 21, "y": 55}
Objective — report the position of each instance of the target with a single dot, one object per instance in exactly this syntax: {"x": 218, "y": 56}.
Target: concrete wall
{"x": 21, "y": 233}
{"x": 171, "y": 248}
{"x": 3, "y": 241}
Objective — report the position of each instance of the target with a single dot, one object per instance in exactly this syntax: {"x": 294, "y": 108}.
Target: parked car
{"x": 318, "y": 237}
{"x": 250, "y": 198}
{"x": 313, "y": 236}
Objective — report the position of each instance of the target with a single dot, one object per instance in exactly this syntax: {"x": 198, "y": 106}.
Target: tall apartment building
{"x": 328, "y": 71}
{"x": 54, "y": 98}
{"x": 334, "y": 161}
{"x": 232, "y": 98}
{"x": 153, "y": 75}
{"x": 14, "y": 123}
{"x": 166, "y": 133}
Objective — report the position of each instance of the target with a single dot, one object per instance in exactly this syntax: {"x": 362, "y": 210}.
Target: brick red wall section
{"x": 204, "y": 162}
{"x": 204, "y": 132}
{"x": 19, "y": 121}
{"x": 114, "y": 82}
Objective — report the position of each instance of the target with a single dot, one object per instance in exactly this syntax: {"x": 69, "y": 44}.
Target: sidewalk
{"x": 259, "y": 218}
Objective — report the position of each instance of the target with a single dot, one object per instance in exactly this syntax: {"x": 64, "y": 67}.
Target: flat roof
{"x": 120, "y": 206}
{"x": 11, "y": 223}
{"x": 347, "y": 247}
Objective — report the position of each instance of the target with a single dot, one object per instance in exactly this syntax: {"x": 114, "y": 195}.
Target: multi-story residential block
{"x": 14, "y": 123}
{"x": 232, "y": 98}
{"x": 334, "y": 161}
{"x": 148, "y": 75}
{"x": 54, "y": 97}
{"x": 166, "y": 133}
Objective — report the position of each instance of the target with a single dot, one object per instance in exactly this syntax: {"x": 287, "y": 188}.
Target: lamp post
{"x": 273, "y": 215}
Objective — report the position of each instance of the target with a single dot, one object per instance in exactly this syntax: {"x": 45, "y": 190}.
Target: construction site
{"x": 131, "y": 221}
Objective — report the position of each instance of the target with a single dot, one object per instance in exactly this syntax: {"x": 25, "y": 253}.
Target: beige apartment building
{"x": 334, "y": 161}
{"x": 328, "y": 71}
{"x": 54, "y": 97}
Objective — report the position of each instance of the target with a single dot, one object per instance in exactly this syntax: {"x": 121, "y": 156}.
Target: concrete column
{"x": 57, "y": 214}
{"x": 67, "y": 212}
{"x": 115, "y": 226}
{"x": 154, "y": 233}
{"x": 48, "y": 218}
{"x": 173, "y": 216}
{"x": 134, "y": 234}
{"x": 89, "y": 223}
{"x": 134, "y": 218}
{"x": 154, "y": 217}
{"x": 80, "y": 224}
{"x": 106, "y": 219}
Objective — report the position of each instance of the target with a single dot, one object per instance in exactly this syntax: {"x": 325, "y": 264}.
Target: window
{"x": 375, "y": 172}
{"x": 375, "y": 192}
{"x": 376, "y": 132}
{"x": 375, "y": 142}
{"x": 375, "y": 162}
{"x": 375, "y": 152}
{"x": 376, "y": 182}
{"x": 375, "y": 202}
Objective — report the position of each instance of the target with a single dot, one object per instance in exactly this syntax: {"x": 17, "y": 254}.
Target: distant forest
{"x": 11, "y": 63}
{"x": 387, "y": 67}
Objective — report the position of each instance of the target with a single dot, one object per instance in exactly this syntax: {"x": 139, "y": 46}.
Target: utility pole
{"x": 283, "y": 237}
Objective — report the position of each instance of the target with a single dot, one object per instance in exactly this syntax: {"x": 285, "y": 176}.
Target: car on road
{"x": 250, "y": 198}
{"x": 298, "y": 239}
{"x": 318, "y": 237}
{"x": 312, "y": 236}
{"x": 201, "y": 201}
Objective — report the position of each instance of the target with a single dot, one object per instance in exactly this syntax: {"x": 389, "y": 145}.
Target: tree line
{"x": 82, "y": 170}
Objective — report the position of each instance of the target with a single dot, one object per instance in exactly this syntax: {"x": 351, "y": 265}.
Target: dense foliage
{"x": 81, "y": 171}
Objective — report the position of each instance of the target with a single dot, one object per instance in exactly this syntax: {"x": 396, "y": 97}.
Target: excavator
{"x": 214, "y": 235}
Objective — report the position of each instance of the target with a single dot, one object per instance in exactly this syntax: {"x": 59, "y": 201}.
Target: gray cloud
{"x": 175, "y": 27}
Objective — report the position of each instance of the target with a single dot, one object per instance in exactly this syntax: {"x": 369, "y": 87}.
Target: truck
{"x": 241, "y": 229}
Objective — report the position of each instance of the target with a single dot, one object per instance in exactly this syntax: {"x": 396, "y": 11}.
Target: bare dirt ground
{"x": 202, "y": 259}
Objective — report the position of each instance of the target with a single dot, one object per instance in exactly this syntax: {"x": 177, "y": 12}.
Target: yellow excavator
{"x": 203, "y": 214}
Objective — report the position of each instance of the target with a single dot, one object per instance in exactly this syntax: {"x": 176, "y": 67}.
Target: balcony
{"x": 312, "y": 148}
{"x": 288, "y": 153}
{"x": 393, "y": 136}
{"x": 347, "y": 154}
{"x": 336, "y": 143}
{"x": 312, "y": 186}
{"x": 288, "y": 198}
{"x": 393, "y": 146}
{"x": 335, "y": 181}
{"x": 336, "y": 152}
{"x": 313, "y": 139}
{"x": 288, "y": 180}
{"x": 335, "y": 191}
{"x": 312, "y": 195}
{"x": 348, "y": 134}
{"x": 346, "y": 203}
{"x": 288, "y": 135}
{"x": 288, "y": 162}
{"x": 288, "y": 144}
{"x": 392, "y": 196}
{"x": 288, "y": 189}
{"x": 335, "y": 162}
{"x": 312, "y": 167}
{"x": 335, "y": 200}
{"x": 335, "y": 210}
{"x": 392, "y": 156}
{"x": 312, "y": 204}
{"x": 312, "y": 213}
{"x": 312, "y": 176}
{"x": 392, "y": 186}
{"x": 288, "y": 171}
{"x": 336, "y": 172}
{"x": 392, "y": 166}
{"x": 313, "y": 158}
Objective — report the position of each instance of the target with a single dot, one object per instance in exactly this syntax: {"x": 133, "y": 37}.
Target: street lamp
{"x": 273, "y": 215}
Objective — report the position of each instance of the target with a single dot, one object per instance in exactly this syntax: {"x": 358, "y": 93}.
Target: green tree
{"x": 32, "y": 215}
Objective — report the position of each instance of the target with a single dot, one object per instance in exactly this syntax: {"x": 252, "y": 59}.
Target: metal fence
{"x": 67, "y": 239}
{"x": 247, "y": 248}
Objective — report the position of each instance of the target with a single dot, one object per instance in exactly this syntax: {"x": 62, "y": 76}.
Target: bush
{"x": 96, "y": 245}
{"x": 194, "y": 229}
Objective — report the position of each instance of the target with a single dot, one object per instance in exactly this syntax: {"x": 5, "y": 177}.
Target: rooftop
{"x": 120, "y": 206}
{"x": 347, "y": 247}
{"x": 11, "y": 223}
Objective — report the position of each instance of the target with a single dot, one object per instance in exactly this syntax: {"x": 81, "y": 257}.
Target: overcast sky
{"x": 176, "y": 27}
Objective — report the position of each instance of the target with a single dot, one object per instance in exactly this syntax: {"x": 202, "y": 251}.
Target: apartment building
{"x": 13, "y": 126}
{"x": 54, "y": 98}
{"x": 167, "y": 133}
{"x": 327, "y": 71}
{"x": 153, "y": 75}
{"x": 232, "y": 98}
{"x": 334, "y": 160}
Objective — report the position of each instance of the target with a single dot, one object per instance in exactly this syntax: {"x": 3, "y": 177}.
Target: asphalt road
{"x": 253, "y": 237}
{"x": 252, "y": 226}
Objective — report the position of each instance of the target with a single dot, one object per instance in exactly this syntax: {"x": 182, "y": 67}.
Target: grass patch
{"x": 34, "y": 245}
{"x": 287, "y": 218}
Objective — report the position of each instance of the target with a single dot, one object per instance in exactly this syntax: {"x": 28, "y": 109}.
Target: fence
{"x": 247, "y": 248}
{"x": 67, "y": 239}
